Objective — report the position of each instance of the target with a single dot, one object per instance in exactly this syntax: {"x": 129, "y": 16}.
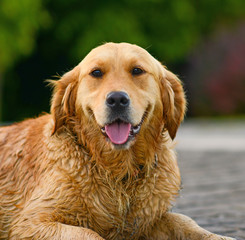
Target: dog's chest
{"x": 118, "y": 210}
{"x": 115, "y": 209}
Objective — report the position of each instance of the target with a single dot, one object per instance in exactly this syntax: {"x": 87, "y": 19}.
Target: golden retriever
{"x": 102, "y": 164}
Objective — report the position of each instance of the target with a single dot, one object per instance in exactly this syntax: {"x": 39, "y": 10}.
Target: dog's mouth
{"x": 119, "y": 132}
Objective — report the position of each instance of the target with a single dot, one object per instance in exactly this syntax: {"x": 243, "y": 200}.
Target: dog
{"x": 101, "y": 165}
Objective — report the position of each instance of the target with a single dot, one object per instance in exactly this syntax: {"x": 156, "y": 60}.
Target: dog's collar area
{"x": 156, "y": 160}
{"x": 141, "y": 167}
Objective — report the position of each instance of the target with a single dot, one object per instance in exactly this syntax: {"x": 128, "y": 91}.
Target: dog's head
{"x": 120, "y": 87}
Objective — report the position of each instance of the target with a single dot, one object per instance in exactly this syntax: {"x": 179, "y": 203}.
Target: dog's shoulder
{"x": 15, "y": 139}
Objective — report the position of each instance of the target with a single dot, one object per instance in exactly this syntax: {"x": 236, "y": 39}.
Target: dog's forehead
{"x": 111, "y": 52}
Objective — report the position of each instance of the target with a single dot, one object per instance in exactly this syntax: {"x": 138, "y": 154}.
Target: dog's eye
{"x": 97, "y": 73}
{"x": 137, "y": 71}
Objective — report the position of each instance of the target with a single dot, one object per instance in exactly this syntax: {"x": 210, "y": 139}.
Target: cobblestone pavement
{"x": 213, "y": 176}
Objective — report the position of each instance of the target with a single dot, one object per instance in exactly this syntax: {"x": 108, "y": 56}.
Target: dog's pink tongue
{"x": 118, "y": 132}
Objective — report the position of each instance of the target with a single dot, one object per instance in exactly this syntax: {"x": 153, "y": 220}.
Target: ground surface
{"x": 211, "y": 157}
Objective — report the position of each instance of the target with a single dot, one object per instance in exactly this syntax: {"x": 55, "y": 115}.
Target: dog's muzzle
{"x": 119, "y": 128}
{"x": 117, "y": 101}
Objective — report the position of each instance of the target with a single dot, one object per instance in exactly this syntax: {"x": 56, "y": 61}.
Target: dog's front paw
{"x": 217, "y": 237}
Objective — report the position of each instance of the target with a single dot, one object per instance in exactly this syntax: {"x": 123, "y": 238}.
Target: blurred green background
{"x": 202, "y": 41}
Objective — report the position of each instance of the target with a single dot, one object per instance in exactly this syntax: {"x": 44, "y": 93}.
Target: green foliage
{"x": 40, "y": 38}
{"x": 169, "y": 28}
{"x": 19, "y": 22}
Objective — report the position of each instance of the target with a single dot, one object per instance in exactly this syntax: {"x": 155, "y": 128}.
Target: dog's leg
{"x": 56, "y": 231}
{"x": 70, "y": 232}
{"x": 180, "y": 227}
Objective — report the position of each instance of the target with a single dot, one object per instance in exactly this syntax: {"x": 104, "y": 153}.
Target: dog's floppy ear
{"x": 64, "y": 98}
{"x": 174, "y": 102}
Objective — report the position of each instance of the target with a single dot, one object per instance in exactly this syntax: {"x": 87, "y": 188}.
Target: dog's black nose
{"x": 117, "y": 99}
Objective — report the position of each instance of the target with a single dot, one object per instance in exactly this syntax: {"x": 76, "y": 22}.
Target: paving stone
{"x": 213, "y": 180}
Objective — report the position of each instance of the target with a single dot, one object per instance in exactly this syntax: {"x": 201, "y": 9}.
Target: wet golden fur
{"x": 60, "y": 177}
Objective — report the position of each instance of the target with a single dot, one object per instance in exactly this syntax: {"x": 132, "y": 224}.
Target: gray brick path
{"x": 213, "y": 175}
